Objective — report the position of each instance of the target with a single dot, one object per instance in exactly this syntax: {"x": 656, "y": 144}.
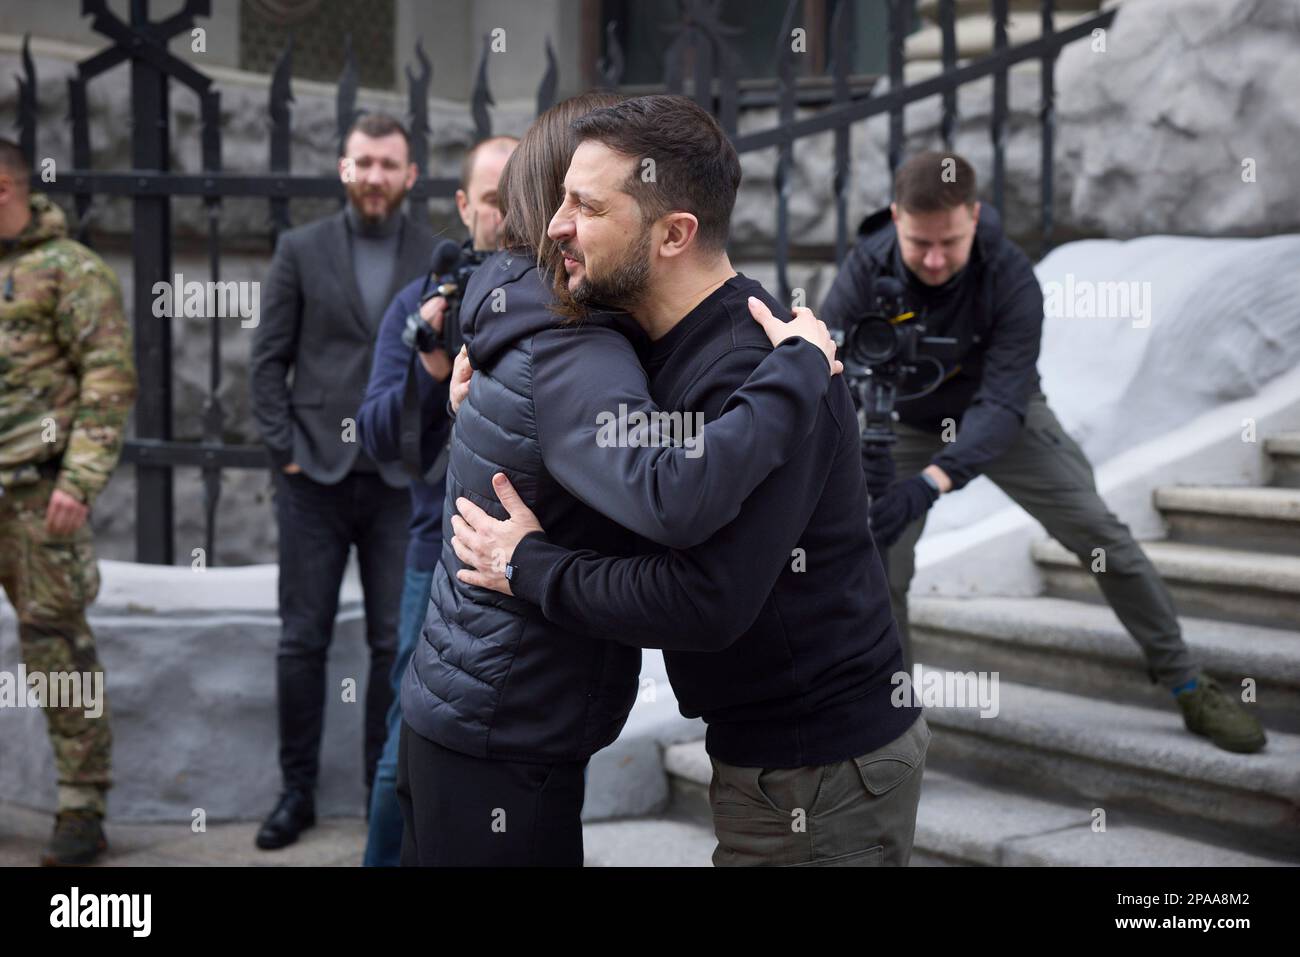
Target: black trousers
{"x": 318, "y": 526}
{"x": 460, "y": 811}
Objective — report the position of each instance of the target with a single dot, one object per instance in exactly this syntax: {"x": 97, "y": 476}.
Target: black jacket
{"x": 491, "y": 677}
{"x": 313, "y": 323}
{"x": 993, "y": 307}
{"x": 777, "y": 630}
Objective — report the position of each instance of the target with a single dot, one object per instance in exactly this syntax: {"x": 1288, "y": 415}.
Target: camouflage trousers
{"x": 50, "y": 580}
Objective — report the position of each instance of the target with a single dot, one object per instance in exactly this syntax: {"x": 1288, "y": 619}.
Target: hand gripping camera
{"x": 448, "y": 276}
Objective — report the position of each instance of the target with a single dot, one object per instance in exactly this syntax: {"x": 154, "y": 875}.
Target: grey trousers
{"x": 1046, "y": 474}
{"x": 856, "y": 813}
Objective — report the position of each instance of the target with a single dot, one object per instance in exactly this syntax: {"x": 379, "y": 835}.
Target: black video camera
{"x": 452, "y": 267}
{"x": 882, "y": 355}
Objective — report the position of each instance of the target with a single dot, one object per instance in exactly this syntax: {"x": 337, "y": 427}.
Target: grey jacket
{"x": 314, "y": 325}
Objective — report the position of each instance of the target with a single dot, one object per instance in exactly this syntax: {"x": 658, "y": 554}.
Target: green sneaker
{"x": 78, "y": 839}
{"x": 1209, "y": 711}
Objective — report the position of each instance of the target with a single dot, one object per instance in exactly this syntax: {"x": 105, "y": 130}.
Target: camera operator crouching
{"x": 969, "y": 402}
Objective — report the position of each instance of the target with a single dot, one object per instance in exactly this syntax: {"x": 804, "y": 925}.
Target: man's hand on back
{"x": 804, "y": 325}
{"x": 461, "y": 373}
{"x": 486, "y": 544}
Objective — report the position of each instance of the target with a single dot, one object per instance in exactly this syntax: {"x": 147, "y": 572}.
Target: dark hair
{"x": 467, "y": 164}
{"x": 375, "y": 125}
{"x": 695, "y": 168}
{"x": 930, "y": 182}
{"x": 15, "y": 162}
{"x": 532, "y": 183}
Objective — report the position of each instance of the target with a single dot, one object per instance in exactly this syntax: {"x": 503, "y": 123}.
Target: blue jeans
{"x": 384, "y": 843}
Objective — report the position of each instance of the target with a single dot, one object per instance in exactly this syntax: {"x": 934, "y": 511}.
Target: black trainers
{"x": 295, "y": 812}
{"x": 77, "y": 840}
{"x": 1210, "y": 711}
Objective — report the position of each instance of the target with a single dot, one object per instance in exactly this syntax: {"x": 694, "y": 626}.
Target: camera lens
{"x": 875, "y": 340}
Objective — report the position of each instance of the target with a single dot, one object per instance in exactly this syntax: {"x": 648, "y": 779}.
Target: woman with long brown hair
{"x": 501, "y": 708}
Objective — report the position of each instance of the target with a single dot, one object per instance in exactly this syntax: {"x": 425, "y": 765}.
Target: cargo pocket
{"x": 885, "y": 768}
{"x": 62, "y": 576}
{"x": 870, "y": 857}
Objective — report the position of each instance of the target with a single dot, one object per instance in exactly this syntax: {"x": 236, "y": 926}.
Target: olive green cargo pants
{"x": 855, "y": 813}
{"x": 1046, "y": 474}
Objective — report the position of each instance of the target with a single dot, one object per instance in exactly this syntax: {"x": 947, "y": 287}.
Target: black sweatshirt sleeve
{"x": 701, "y": 599}
{"x": 996, "y": 412}
{"x": 586, "y": 380}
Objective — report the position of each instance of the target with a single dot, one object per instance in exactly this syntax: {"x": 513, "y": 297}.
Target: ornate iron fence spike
{"x": 418, "y": 87}
{"x": 610, "y": 67}
{"x": 281, "y": 133}
{"x": 948, "y": 27}
{"x": 843, "y": 54}
{"x": 347, "y": 93}
{"x": 546, "y": 89}
{"x": 481, "y": 98}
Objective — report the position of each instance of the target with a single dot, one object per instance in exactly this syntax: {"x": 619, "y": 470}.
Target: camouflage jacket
{"x": 67, "y": 378}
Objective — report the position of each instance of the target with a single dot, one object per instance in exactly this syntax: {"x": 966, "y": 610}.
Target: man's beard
{"x": 357, "y": 195}
{"x": 623, "y": 286}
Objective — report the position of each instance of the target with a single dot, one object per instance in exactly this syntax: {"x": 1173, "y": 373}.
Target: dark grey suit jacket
{"x": 314, "y": 325}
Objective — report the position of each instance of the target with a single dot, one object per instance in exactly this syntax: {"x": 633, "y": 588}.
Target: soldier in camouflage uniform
{"x": 66, "y": 385}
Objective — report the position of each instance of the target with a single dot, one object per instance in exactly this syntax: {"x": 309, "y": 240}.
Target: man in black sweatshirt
{"x": 776, "y": 630}
{"x": 988, "y": 416}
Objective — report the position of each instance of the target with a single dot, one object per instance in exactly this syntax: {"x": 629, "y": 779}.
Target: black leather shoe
{"x": 294, "y": 814}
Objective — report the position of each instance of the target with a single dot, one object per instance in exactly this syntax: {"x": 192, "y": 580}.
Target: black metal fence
{"x": 700, "y": 63}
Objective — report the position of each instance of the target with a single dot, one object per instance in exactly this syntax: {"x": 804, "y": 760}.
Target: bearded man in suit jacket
{"x": 323, "y": 301}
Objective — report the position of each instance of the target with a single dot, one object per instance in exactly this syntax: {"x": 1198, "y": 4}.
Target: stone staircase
{"x": 1082, "y": 737}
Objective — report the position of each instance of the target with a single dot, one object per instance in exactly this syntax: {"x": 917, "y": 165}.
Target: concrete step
{"x": 1284, "y": 450}
{"x": 1207, "y": 581}
{"x": 1081, "y": 647}
{"x": 1127, "y": 758}
{"x": 964, "y": 823}
{"x": 648, "y": 842}
{"x": 1260, "y": 519}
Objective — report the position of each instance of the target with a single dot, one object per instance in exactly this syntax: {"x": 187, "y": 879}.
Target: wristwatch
{"x": 930, "y": 481}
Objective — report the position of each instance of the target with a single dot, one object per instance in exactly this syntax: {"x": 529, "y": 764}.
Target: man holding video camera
{"x": 326, "y": 290}
{"x": 403, "y": 418}
{"x": 983, "y": 412}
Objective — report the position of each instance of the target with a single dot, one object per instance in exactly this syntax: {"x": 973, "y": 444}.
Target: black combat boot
{"x": 78, "y": 839}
